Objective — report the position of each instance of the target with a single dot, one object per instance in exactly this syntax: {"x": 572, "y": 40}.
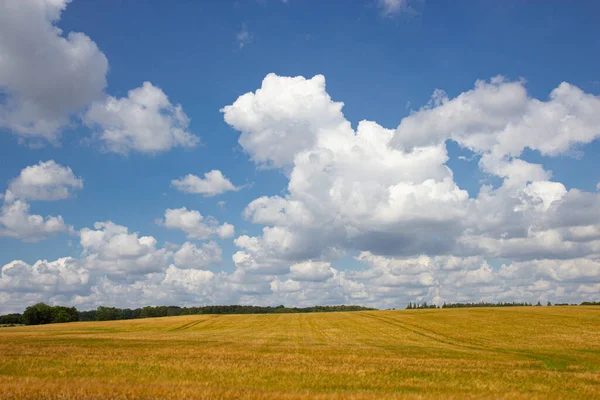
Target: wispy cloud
{"x": 244, "y": 37}
{"x": 393, "y": 7}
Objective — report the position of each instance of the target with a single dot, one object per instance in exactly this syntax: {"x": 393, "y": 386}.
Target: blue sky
{"x": 383, "y": 60}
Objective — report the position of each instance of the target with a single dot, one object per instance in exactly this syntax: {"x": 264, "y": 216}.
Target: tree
{"x": 65, "y": 314}
{"x": 107, "y": 313}
{"x": 61, "y": 316}
{"x": 37, "y": 314}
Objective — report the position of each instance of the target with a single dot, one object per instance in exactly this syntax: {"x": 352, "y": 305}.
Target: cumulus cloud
{"x": 144, "y": 121}
{"x": 45, "y": 181}
{"x": 283, "y": 117}
{"x": 195, "y": 225}
{"x": 390, "y": 192}
{"x": 498, "y": 118}
{"x": 311, "y": 271}
{"x": 110, "y": 249}
{"x": 62, "y": 276}
{"x": 17, "y": 222}
{"x": 46, "y": 75}
{"x": 347, "y": 189}
{"x": 214, "y": 183}
{"x": 191, "y": 257}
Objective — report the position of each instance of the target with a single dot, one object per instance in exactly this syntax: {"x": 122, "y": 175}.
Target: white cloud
{"x": 190, "y": 280}
{"x": 110, "y": 249}
{"x": 347, "y": 188}
{"x": 44, "y": 181}
{"x": 455, "y": 279}
{"x": 46, "y": 75}
{"x": 283, "y": 117}
{"x": 498, "y": 118}
{"x": 366, "y": 189}
{"x": 225, "y": 231}
{"x": 311, "y": 271}
{"x": 190, "y": 256}
{"x": 195, "y": 225}
{"x": 144, "y": 121}
{"x": 56, "y": 277}
{"x": 214, "y": 183}
{"x": 244, "y": 37}
{"x": 17, "y": 222}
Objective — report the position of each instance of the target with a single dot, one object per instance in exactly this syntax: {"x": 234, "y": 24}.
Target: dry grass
{"x": 511, "y": 353}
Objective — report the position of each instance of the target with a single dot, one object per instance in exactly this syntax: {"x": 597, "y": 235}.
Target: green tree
{"x": 107, "y": 313}
{"x": 37, "y": 314}
{"x": 61, "y": 316}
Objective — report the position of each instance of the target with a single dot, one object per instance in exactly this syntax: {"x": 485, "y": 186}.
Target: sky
{"x": 298, "y": 152}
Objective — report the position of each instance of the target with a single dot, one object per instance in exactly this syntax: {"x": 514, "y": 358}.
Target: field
{"x": 512, "y": 353}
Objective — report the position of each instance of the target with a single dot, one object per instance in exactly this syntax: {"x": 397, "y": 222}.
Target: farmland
{"x": 513, "y": 353}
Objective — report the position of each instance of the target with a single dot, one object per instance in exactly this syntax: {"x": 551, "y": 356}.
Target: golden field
{"x": 512, "y": 353}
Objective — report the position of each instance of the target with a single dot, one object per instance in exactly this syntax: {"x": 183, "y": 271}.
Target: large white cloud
{"x": 45, "y": 181}
{"x": 144, "y": 121}
{"x": 46, "y": 75}
{"x": 214, "y": 183}
{"x": 390, "y": 191}
{"x": 347, "y": 189}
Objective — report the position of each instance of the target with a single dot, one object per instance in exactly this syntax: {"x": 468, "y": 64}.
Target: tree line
{"x": 486, "y": 304}
{"x": 415, "y": 306}
{"x": 42, "y": 313}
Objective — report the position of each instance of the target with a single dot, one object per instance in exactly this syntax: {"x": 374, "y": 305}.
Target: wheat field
{"x": 512, "y": 353}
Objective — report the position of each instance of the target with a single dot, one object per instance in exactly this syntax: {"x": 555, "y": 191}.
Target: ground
{"x": 512, "y": 353}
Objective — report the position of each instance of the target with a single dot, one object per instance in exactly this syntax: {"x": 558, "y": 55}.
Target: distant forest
{"x": 42, "y": 313}
{"x": 417, "y": 306}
